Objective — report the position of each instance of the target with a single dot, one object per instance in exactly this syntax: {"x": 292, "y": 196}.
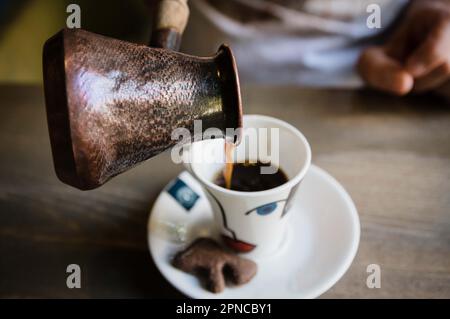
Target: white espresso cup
{"x": 253, "y": 222}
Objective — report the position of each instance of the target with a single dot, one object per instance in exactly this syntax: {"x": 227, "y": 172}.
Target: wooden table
{"x": 391, "y": 154}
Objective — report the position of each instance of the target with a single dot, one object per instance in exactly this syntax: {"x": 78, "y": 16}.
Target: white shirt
{"x": 309, "y": 42}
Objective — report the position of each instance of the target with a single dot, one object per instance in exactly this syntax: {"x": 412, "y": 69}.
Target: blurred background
{"x": 26, "y": 24}
{"x": 307, "y": 42}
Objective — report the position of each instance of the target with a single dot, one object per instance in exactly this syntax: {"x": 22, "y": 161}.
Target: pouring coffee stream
{"x": 113, "y": 104}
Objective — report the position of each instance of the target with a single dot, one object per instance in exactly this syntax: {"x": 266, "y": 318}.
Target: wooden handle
{"x": 170, "y": 22}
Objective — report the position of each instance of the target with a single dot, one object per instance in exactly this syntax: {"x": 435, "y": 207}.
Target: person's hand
{"x": 417, "y": 56}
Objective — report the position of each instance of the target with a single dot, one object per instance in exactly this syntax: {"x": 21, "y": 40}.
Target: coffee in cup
{"x": 247, "y": 177}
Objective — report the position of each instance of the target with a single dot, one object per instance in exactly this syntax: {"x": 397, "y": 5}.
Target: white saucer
{"x": 320, "y": 246}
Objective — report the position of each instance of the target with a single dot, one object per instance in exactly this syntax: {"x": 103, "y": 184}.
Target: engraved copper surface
{"x": 112, "y": 104}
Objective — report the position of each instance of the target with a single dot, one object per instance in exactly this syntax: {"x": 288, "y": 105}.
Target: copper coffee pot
{"x": 112, "y": 104}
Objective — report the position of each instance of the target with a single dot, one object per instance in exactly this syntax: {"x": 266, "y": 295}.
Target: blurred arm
{"x": 417, "y": 57}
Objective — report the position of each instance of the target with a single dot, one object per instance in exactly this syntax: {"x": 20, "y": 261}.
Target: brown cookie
{"x": 205, "y": 257}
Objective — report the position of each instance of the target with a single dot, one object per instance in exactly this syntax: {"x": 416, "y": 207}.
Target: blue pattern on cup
{"x": 266, "y": 209}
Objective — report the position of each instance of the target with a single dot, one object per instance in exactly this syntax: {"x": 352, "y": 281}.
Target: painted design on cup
{"x": 289, "y": 200}
{"x": 234, "y": 240}
{"x": 266, "y": 209}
